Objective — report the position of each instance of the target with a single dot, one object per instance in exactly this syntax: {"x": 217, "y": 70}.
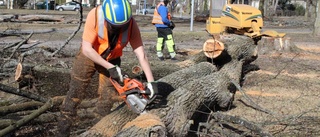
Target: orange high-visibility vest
{"x": 101, "y": 28}
{"x": 156, "y": 16}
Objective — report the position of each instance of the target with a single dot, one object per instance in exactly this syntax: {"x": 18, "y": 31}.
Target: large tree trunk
{"x": 182, "y": 94}
{"x": 114, "y": 122}
{"x": 307, "y": 11}
{"x": 265, "y": 8}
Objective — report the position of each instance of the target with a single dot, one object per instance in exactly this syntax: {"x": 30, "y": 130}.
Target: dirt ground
{"x": 287, "y": 83}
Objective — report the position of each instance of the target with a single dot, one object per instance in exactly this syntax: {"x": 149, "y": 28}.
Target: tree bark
{"x": 164, "y": 68}
{"x": 306, "y": 14}
{"x": 144, "y": 124}
{"x": 113, "y": 123}
{"x": 184, "y": 92}
{"x": 19, "y": 107}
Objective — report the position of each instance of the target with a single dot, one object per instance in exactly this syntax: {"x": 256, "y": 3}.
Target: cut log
{"x": 50, "y": 18}
{"x": 213, "y": 48}
{"x": 6, "y": 18}
{"x": 176, "y": 108}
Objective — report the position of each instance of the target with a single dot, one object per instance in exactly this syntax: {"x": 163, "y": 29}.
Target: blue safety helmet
{"x": 117, "y": 12}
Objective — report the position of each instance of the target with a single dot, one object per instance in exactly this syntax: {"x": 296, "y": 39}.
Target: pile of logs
{"x": 202, "y": 83}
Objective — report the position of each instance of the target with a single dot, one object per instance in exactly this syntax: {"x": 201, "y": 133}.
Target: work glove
{"x": 117, "y": 74}
{"x": 172, "y": 25}
{"x": 152, "y": 90}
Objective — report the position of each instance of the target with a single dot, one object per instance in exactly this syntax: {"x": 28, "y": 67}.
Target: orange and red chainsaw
{"x": 133, "y": 93}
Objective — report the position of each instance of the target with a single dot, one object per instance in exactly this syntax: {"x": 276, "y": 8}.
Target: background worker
{"x": 108, "y": 29}
{"x": 162, "y": 21}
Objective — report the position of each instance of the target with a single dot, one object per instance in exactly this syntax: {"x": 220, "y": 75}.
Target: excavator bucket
{"x": 273, "y": 34}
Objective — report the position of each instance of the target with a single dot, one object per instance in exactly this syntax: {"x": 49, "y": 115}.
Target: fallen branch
{"x": 73, "y": 34}
{"x": 19, "y": 107}
{"x": 20, "y": 44}
{"x": 25, "y": 32}
{"x": 22, "y": 93}
{"x": 51, "y": 102}
{"x": 5, "y": 123}
{"x": 252, "y": 103}
{"x": 237, "y": 120}
{"x": 33, "y": 51}
{"x": 10, "y": 46}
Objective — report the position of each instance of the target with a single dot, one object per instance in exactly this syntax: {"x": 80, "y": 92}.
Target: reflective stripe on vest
{"x": 156, "y": 16}
{"x": 123, "y": 38}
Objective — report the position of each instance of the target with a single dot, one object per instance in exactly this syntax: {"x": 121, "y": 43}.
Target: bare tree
{"x": 317, "y": 22}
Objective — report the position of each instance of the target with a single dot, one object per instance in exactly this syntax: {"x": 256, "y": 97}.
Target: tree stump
{"x": 269, "y": 45}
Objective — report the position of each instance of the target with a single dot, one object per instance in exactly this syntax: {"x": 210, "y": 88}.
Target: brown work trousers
{"x": 81, "y": 75}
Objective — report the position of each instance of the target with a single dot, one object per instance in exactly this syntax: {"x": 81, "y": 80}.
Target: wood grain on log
{"x": 144, "y": 125}
{"x": 18, "y": 74}
{"x": 213, "y": 48}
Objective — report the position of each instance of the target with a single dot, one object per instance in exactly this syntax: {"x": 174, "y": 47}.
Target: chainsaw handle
{"x": 131, "y": 92}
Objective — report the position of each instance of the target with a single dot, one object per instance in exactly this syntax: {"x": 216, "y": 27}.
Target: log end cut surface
{"x": 18, "y": 73}
{"x": 213, "y": 48}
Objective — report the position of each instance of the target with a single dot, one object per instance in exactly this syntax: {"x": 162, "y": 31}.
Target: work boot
{"x": 161, "y": 58}
{"x": 64, "y": 125}
{"x": 174, "y": 59}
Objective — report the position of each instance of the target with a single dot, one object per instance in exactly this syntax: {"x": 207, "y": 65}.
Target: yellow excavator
{"x": 226, "y": 17}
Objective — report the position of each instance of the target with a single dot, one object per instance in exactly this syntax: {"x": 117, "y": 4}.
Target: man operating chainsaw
{"x": 108, "y": 29}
